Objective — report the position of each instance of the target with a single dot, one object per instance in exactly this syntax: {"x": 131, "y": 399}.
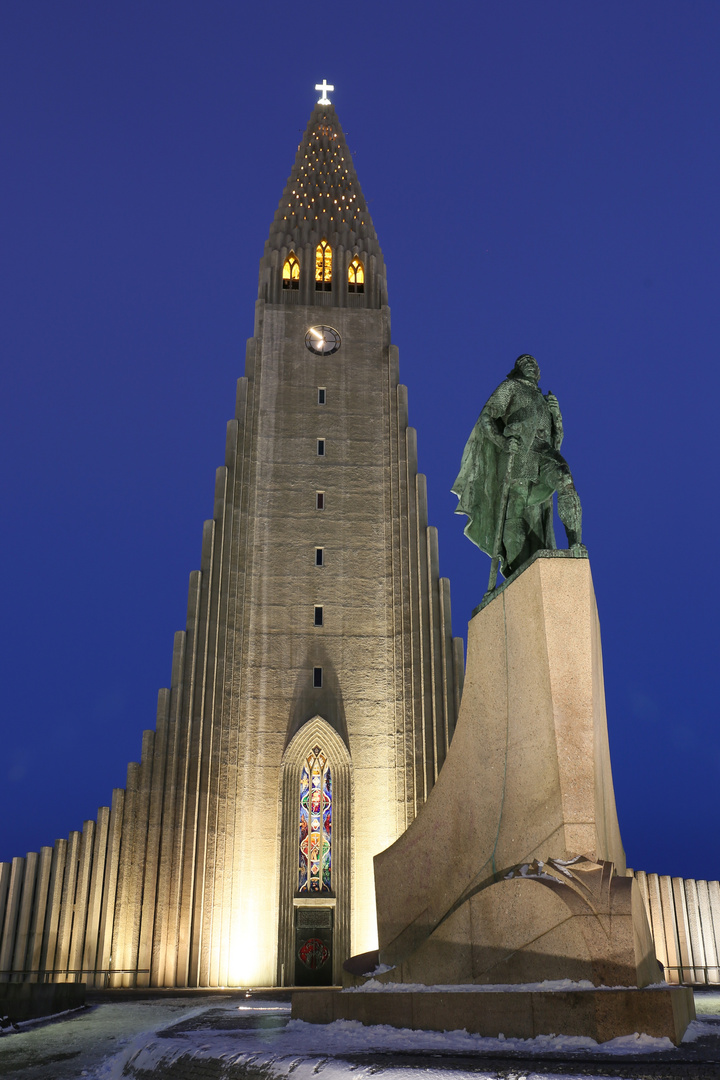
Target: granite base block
{"x": 518, "y": 1014}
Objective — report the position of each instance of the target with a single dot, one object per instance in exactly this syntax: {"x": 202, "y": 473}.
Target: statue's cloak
{"x": 479, "y": 486}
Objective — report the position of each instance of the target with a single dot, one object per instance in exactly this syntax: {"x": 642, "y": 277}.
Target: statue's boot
{"x": 570, "y": 513}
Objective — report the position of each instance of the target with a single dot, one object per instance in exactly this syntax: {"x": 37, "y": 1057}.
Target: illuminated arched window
{"x": 323, "y": 267}
{"x": 291, "y": 272}
{"x": 315, "y": 824}
{"x": 356, "y": 276}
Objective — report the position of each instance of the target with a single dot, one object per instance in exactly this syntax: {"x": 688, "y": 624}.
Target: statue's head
{"x": 526, "y": 367}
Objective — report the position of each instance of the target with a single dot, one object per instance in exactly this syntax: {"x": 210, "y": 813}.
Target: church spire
{"x": 323, "y": 248}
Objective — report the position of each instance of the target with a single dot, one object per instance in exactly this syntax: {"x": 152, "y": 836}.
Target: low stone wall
{"x": 29, "y": 1001}
{"x": 518, "y": 1014}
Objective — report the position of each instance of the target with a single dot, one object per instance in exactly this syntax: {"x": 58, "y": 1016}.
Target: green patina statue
{"x": 511, "y": 468}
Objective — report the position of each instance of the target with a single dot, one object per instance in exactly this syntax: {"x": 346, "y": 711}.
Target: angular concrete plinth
{"x": 518, "y": 1014}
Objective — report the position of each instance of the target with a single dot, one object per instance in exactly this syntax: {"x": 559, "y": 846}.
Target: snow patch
{"x": 697, "y": 1028}
{"x": 350, "y": 1036}
{"x": 552, "y": 985}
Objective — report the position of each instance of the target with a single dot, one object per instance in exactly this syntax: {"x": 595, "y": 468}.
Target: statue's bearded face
{"x": 529, "y": 368}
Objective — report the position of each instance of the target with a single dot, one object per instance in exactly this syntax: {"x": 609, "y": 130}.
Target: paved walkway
{"x": 225, "y": 1036}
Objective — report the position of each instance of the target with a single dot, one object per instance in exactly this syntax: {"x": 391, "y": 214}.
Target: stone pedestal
{"x": 527, "y": 775}
{"x": 520, "y": 1014}
{"x": 513, "y": 872}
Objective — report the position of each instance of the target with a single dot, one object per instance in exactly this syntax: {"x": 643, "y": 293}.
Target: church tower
{"x": 315, "y": 689}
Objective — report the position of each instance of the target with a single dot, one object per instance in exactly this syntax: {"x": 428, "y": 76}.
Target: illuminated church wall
{"x": 192, "y": 874}
{"x": 317, "y": 621}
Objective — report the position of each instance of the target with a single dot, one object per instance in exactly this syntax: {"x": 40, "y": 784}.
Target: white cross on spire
{"x": 323, "y": 87}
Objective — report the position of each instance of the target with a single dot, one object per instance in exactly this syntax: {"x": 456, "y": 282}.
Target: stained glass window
{"x": 323, "y": 267}
{"x": 315, "y": 824}
{"x": 291, "y": 272}
{"x": 356, "y": 276}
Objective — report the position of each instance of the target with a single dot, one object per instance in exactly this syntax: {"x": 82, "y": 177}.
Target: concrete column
{"x": 94, "y": 904}
{"x": 458, "y": 646}
{"x": 714, "y": 899}
{"x": 157, "y": 791}
{"x": 674, "y": 962}
{"x": 683, "y": 931}
{"x": 213, "y": 882}
{"x": 415, "y": 622}
{"x": 641, "y": 878}
{"x": 120, "y": 943}
{"x": 82, "y": 889}
{"x": 134, "y": 898}
{"x": 175, "y": 972}
{"x": 5, "y": 873}
{"x": 657, "y": 921}
{"x": 185, "y": 697}
{"x": 403, "y": 639}
{"x": 446, "y": 661}
{"x": 7, "y": 948}
{"x": 54, "y": 904}
{"x": 206, "y": 831}
{"x": 37, "y": 923}
{"x": 424, "y": 634}
{"x": 696, "y": 937}
{"x": 708, "y": 933}
{"x": 433, "y": 620}
{"x": 19, "y": 962}
{"x": 236, "y": 562}
{"x": 109, "y": 894}
{"x": 251, "y": 345}
{"x": 241, "y": 395}
{"x": 158, "y": 975}
{"x": 67, "y": 905}
{"x": 185, "y": 971}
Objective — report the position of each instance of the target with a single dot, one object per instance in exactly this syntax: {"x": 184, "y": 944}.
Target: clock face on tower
{"x": 322, "y": 340}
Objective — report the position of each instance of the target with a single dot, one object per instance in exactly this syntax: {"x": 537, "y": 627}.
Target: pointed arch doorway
{"x": 315, "y": 867}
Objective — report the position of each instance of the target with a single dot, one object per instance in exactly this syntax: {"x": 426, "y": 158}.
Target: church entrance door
{"x": 313, "y": 946}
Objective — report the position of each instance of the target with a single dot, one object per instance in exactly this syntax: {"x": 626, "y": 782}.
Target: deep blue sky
{"x": 543, "y": 177}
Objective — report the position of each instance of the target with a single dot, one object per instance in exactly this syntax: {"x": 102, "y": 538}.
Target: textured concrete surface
{"x": 528, "y": 772}
{"x": 598, "y": 1014}
{"x": 528, "y": 929}
{"x": 174, "y": 885}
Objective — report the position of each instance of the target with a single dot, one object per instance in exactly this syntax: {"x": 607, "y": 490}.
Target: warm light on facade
{"x": 253, "y": 939}
{"x": 356, "y": 276}
{"x": 291, "y": 272}
{"x": 323, "y": 265}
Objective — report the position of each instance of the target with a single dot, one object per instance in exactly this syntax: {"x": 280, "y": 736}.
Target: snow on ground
{"x": 707, "y": 1003}
{"x": 299, "y": 1048}
{"x": 303, "y": 1049}
{"x": 76, "y": 1044}
{"x": 121, "y": 1039}
{"x": 548, "y": 985}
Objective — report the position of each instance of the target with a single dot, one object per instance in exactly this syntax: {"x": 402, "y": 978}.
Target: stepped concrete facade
{"x": 318, "y": 647}
{"x": 317, "y": 661}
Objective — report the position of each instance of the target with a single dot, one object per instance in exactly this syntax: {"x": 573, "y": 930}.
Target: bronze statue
{"x": 511, "y": 468}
